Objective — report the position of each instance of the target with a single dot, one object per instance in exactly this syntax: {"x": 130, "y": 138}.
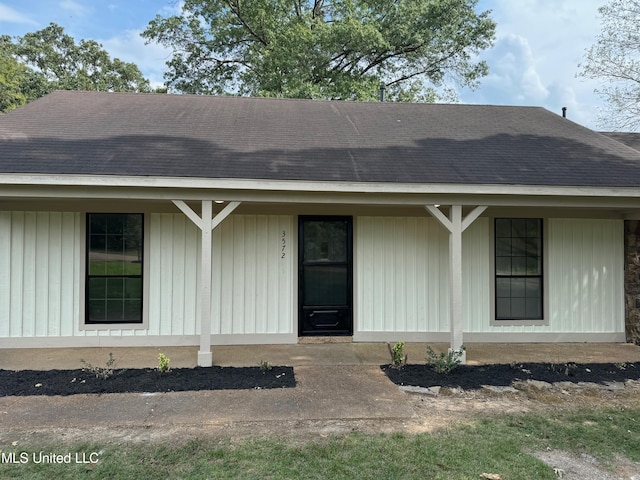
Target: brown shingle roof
{"x": 254, "y": 138}
{"x": 628, "y": 138}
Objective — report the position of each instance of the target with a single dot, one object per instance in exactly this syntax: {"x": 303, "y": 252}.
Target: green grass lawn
{"x": 500, "y": 445}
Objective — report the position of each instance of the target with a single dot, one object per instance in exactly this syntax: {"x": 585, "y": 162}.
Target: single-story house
{"x": 158, "y": 220}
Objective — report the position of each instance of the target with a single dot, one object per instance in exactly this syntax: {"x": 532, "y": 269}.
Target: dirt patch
{"x": 450, "y": 408}
{"x": 569, "y": 466}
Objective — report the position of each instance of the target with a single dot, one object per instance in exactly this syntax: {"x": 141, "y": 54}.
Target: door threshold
{"x": 316, "y": 339}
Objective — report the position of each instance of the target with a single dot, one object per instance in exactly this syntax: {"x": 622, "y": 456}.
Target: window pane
{"x": 97, "y": 288}
{"x": 503, "y": 287}
{"x": 133, "y": 288}
{"x": 518, "y": 308}
{"x": 533, "y": 227}
{"x": 115, "y": 310}
{"x": 518, "y": 228}
{"x": 132, "y": 310}
{"x": 98, "y": 224}
{"x": 325, "y": 241}
{"x": 325, "y": 285}
{"x": 533, "y": 246}
{"x": 533, "y": 266}
{"x": 518, "y": 247}
{"x": 517, "y": 287}
{"x": 533, "y": 308}
{"x": 518, "y": 265}
{"x": 503, "y": 227}
{"x": 115, "y": 287}
{"x": 133, "y": 245}
{"x": 503, "y": 247}
{"x": 532, "y": 287}
{"x": 116, "y": 223}
{"x": 97, "y": 251}
{"x": 503, "y": 308}
{"x": 97, "y": 311}
{"x": 503, "y": 266}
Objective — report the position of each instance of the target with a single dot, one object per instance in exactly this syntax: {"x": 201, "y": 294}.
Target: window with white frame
{"x": 518, "y": 269}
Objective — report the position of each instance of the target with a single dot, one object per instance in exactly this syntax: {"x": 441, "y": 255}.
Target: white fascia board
{"x": 258, "y": 185}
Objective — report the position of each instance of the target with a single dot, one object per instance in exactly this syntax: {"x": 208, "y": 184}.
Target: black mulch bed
{"x": 72, "y": 382}
{"x": 471, "y": 377}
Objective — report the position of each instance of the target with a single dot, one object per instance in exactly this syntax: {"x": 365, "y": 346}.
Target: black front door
{"x": 325, "y": 281}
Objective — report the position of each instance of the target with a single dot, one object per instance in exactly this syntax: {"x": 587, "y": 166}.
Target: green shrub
{"x": 163, "y": 363}
{"x": 265, "y": 366}
{"x": 445, "y": 362}
{"x": 398, "y": 357}
{"x": 100, "y": 372}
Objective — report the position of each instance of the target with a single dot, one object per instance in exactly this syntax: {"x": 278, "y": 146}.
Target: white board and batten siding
{"x": 586, "y": 276}
{"x": 402, "y": 283}
{"x": 41, "y": 292}
{"x": 40, "y": 275}
{"x": 253, "y": 271}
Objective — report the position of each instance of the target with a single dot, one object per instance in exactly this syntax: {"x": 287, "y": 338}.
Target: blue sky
{"x": 534, "y": 61}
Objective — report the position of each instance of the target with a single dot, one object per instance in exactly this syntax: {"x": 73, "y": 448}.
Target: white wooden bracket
{"x": 206, "y": 223}
{"x": 456, "y": 224}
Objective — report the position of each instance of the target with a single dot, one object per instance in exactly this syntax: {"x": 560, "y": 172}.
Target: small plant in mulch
{"x": 445, "y": 362}
{"x": 398, "y": 357}
{"x": 564, "y": 368}
{"x": 265, "y": 366}
{"x": 163, "y": 363}
{"x": 100, "y": 372}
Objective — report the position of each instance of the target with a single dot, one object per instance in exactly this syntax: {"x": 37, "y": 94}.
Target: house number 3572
{"x": 283, "y": 253}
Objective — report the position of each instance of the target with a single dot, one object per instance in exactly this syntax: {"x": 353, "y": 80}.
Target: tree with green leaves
{"x": 615, "y": 58}
{"x": 13, "y": 75}
{"x": 327, "y": 49}
{"x": 51, "y": 60}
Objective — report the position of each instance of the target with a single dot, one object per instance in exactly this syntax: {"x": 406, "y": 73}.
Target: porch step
{"x": 319, "y": 339}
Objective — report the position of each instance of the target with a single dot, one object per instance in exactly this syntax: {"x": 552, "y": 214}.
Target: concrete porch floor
{"x": 316, "y": 354}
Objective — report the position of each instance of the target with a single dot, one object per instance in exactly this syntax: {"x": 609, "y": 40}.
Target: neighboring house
{"x": 144, "y": 220}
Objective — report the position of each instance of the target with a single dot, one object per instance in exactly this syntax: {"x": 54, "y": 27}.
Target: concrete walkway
{"x": 336, "y": 383}
{"x": 314, "y": 354}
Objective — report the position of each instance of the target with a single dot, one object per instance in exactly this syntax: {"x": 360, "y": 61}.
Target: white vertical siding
{"x": 6, "y": 275}
{"x": 476, "y": 286}
{"x": 252, "y": 285}
{"x": 40, "y": 254}
{"x": 401, "y": 275}
{"x": 174, "y": 275}
{"x": 585, "y": 271}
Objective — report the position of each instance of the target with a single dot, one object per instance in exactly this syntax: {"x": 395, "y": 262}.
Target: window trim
{"x": 83, "y": 234}
{"x": 492, "y": 275}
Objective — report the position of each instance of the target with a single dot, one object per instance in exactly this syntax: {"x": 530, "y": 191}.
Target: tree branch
{"x": 383, "y": 58}
{"x": 234, "y": 6}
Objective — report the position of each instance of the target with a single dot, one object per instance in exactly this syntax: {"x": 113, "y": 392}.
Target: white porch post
{"x": 206, "y": 224}
{"x": 205, "y": 357}
{"x": 455, "y": 224}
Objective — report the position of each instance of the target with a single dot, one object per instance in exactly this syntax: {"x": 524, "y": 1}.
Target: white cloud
{"x": 9, "y": 15}
{"x": 130, "y": 47}
{"x": 75, "y": 8}
{"x": 535, "y": 59}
